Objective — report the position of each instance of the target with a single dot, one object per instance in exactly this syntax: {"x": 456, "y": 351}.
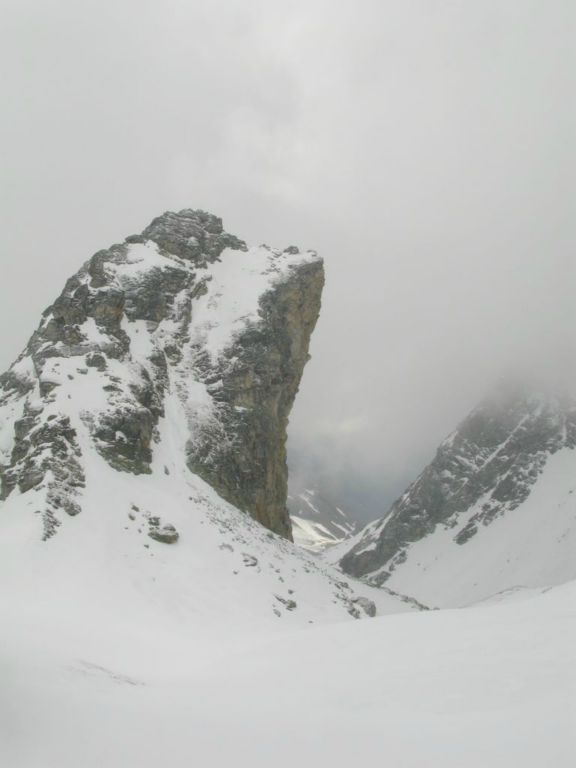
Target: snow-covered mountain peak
{"x": 184, "y": 311}
{"x": 142, "y": 441}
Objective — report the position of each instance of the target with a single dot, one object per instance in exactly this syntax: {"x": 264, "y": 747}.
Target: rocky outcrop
{"x": 183, "y": 318}
{"x": 165, "y": 533}
{"x": 242, "y": 453}
{"x": 484, "y": 470}
{"x": 196, "y": 236}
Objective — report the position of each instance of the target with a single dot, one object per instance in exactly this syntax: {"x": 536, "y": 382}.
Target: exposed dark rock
{"x": 44, "y": 446}
{"x": 165, "y": 534}
{"x": 243, "y": 454}
{"x": 124, "y": 437}
{"x": 367, "y": 605}
{"x": 96, "y": 360}
{"x": 193, "y": 235}
{"x": 289, "y": 604}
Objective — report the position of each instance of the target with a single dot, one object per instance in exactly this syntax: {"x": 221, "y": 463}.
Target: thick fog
{"x": 424, "y": 147}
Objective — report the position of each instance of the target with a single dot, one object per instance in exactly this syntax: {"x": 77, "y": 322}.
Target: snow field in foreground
{"x": 486, "y": 686}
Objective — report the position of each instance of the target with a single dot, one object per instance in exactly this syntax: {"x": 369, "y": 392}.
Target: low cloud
{"x": 424, "y": 148}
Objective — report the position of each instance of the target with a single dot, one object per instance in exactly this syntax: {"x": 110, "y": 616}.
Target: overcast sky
{"x": 424, "y": 147}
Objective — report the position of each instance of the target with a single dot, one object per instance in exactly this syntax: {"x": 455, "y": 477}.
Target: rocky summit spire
{"x": 181, "y": 337}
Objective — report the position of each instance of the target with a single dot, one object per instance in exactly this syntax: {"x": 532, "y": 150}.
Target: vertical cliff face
{"x": 253, "y": 383}
{"x": 182, "y": 334}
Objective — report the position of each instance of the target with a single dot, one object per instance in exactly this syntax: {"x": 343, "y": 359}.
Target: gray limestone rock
{"x": 367, "y": 605}
{"x": 243, "y": 454}
{"x": 165, "y": 534}
{"x": 193, "y": 235}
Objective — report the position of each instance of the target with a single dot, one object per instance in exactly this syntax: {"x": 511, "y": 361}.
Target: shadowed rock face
{"x": 243, "y": 455}
{"x": 492, "y": 461}
{"x": 132, "y": 337}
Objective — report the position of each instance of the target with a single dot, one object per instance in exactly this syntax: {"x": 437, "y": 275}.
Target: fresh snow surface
{"x": 317, "y": 524}
{"x": 487, "y": 686}
{"x": 224, "y": 568}
{"x": 242, "y": 278}
{"x": 101, "y": 603}
{"x": 310, "y": 535}
{"x": 529, "y": 547}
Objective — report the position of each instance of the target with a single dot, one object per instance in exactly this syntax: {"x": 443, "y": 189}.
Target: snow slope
{"x": 317, "y": 523}
{"x": 531, "y": 546}
{"x": 224, "y": 566}
{"x": 494, "y": 511}
{"x": 109, "y": 637}
{"x": 486, "y": 686}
